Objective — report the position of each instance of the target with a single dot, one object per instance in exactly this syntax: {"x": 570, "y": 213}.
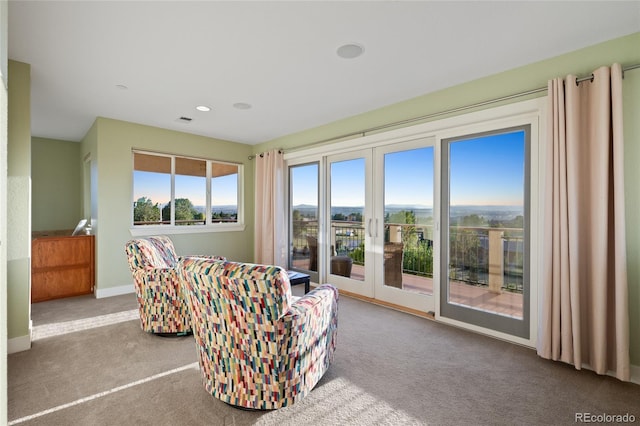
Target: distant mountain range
{"x": 501, "y": 213}
{"x": 221, "y": 208}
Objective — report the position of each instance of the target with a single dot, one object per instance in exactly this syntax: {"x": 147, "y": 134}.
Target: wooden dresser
{"x": 62, "y": 266}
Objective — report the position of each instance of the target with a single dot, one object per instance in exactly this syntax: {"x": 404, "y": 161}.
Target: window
{"x": 174, "y": 192}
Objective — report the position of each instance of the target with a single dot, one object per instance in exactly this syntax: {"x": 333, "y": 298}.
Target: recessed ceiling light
{"x": 350, "y": 50}
{"x": 242, "y": 105}
{"x": 203, "y": 108}
{"x": 121, "y": 87}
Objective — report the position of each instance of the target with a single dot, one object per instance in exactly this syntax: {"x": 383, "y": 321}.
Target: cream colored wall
{"x": 19, "y": 207}
{"x": 56, "y": 184}
{"x": 624, "y": 50}
{"x": 114, "y": 143}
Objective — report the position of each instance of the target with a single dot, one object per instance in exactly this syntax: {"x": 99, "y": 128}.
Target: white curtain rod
{"x": 449, "y": 111}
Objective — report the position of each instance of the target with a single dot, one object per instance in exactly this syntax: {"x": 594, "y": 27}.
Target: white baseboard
{"x": 114, "y": 291}
{"x": 18, "y": 344}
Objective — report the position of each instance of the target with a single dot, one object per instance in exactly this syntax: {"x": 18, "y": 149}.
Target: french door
{"x": 379, "y": 239}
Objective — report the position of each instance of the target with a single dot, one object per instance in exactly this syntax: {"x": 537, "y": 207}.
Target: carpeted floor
{"x": 391, "y": 368}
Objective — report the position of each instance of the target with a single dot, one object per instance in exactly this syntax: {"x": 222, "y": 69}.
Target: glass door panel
{"x": 408, "y": 220}
{"x": 347, "y": 219}
{"x": 304, "y": 195}
{"x": 405, "y": 242}
{"x": 348, "y": 237}
{"x": 485, "y": 230}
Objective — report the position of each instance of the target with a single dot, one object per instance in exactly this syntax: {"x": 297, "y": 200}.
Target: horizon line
{"x": 421, "y": 206}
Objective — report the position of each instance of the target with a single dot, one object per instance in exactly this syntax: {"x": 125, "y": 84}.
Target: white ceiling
{"x": 280, "y": 57}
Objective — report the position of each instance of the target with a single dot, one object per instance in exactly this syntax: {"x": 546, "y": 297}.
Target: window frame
{"x": 209, "y": 225}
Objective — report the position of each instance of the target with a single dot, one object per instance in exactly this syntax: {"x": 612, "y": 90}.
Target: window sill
{"x": 141, "y": 231}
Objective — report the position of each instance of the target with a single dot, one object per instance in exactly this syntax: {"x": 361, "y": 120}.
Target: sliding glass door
{"x": 485, "y": 230}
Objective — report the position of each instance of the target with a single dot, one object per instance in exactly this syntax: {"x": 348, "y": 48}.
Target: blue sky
{"x": 487, "y": 170}
{"x": 347, "y": 183}
{"x": 305, "y": 184}
{"x": 408, "y": 177}
{"x": 157, "y": 186}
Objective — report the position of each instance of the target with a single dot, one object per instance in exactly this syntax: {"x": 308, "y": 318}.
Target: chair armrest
{"x": 310, "y": 317}
{"x": 202, "y": 256}
{"x": 158, "y": 280}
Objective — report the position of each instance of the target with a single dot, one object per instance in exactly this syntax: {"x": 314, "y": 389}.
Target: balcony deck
{"x": 479, "y": 297}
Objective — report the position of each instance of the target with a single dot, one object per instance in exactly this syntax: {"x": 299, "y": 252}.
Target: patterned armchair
{"x": 257, "y": 347}
{"x": 154, "y": 265}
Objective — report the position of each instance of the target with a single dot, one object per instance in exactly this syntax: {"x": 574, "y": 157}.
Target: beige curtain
{"x": 270, "y": 218}
{"x": 584, "y": 312}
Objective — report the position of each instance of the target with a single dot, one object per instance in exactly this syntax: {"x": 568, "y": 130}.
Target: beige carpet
{"x": 391, "y": 368}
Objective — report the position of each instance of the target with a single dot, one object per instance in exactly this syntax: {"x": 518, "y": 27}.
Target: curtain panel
{"x": 270, "y": 219}
{"x": 584, "y": 311}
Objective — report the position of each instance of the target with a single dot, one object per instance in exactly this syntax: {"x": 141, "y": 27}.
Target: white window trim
{"x": 146, "y": 230}
{"x": 172, "y": 229}
{"x": 424, "y": 130}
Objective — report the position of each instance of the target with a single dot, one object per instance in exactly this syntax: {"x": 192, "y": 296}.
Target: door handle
{"x": 369, "y": 228}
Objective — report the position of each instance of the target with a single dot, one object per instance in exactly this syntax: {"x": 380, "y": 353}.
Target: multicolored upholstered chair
{"x": 154, "y": 265}
{"x": 257, "y": 347}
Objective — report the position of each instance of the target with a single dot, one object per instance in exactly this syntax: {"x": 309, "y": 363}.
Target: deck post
{"x": 496, "y": 261}
{"x": 395, "y": 233}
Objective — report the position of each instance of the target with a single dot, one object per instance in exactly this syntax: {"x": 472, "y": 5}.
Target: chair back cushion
{"x": 151, "y": 253}
{"x": 248, "y": 294}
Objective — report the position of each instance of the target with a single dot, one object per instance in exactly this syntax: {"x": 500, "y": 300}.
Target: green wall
{"x": 623, "y": 50}
{"x": 631, "y": 107}
{"x": 89, "y": 155}
{"x": 110, "y": 143}
{"x": 19, "y": 203}
{"x": 4, "y": 8}
{"x": 56, "y": 185}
